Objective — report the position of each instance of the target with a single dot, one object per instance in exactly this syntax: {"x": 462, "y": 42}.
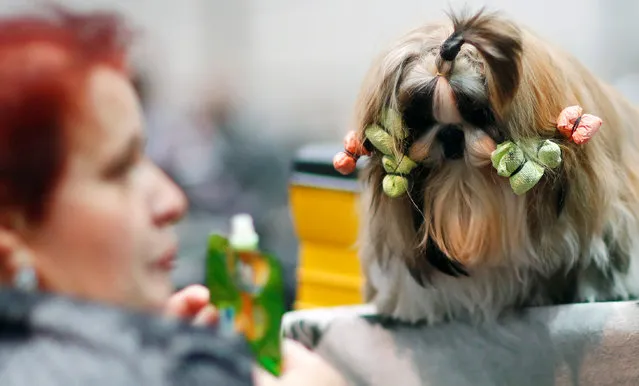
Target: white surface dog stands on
{"x": 593, "y": 344}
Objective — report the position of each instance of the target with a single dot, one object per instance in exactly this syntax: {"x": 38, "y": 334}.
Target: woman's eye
{"x": 126, "y": 161}
{"x": 122, "y": 168}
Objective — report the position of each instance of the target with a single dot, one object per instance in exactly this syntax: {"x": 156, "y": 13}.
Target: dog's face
{"x": 462, "y": 89}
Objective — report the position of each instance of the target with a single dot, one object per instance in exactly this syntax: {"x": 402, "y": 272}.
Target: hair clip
{"x": 513, "y": 160}
{"x": 578, "y": 127}
{"x": 345, "y": 161}
{"x": 382, "y": 137}
{"x": 395, "y": 182}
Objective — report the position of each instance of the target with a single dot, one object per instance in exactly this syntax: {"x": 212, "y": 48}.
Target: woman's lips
{"x": 167, "y": 260}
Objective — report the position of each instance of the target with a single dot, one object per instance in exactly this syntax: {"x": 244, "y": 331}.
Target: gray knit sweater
{"x": 48, "y": 340}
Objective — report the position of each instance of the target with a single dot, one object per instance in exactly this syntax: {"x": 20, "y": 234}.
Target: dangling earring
{"x": 25, "y": 279}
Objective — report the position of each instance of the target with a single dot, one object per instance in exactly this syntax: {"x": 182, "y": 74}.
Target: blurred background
{"x": 232, "y": 88}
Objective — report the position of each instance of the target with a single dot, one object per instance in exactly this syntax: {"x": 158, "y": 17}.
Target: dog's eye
{"x": 495, "y": 132}
{"x": 418, "y": 111}
{"x": 472, "y": 102}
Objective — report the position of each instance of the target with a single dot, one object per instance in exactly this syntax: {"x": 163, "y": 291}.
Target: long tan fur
{"x": 517, "y": 250}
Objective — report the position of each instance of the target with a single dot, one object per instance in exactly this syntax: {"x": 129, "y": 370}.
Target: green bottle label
{"x": 247, "y": 289}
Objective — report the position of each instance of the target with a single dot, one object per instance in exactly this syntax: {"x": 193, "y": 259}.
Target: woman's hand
{"x": 192, "y": 303}
{"x": 301, "y": 367}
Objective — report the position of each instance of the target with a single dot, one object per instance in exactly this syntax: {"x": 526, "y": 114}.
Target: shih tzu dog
{"x": 501, "y": 174}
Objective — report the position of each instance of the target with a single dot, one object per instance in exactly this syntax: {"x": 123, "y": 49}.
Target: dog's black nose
{"x": 452, "y": 139}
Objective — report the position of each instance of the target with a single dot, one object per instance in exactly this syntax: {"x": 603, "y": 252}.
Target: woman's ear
{"x": 14, "y": 255}
{"x": 9, "y": 257}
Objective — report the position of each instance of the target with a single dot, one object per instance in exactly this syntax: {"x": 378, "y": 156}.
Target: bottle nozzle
{"x": 243, "y": 235}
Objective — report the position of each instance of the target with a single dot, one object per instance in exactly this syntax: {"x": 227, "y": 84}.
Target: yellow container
{"x": 324, "y": 209}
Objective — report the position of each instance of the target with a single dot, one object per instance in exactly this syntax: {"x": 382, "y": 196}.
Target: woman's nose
{"x": 452, "y": 140}
{"x": 170, "y": 203}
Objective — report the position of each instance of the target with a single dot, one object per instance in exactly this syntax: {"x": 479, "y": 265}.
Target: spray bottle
{"x": 246, "y": 286}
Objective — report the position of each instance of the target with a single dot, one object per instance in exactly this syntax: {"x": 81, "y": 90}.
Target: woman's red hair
{"x": 44, "y": 62}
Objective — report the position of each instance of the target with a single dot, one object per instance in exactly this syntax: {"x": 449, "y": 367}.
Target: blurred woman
{"x": 87, "y": 241}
